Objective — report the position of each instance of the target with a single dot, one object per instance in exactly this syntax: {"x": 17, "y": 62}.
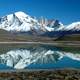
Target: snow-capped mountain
{"x": 73, "y": 26}
{"x": 57, "y": 25}
{"x": 18, "y": 21}
{"x": 22, "y": 58}
{"x": 21, "y": 22}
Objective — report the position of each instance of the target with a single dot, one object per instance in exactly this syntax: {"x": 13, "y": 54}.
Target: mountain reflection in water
{"x": 40, "y": 57}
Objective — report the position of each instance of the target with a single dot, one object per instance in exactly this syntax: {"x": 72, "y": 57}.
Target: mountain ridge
{"x": 22, "y": 23}
{"x": 20, "y": 19}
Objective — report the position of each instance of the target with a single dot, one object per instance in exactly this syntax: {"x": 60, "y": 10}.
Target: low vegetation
{"x": 66, "y": 74}
{"x": 73, "y": 37}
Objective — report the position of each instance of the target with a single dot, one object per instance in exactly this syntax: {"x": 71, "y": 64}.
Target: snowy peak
{"x": 24, "y": 17}
{"x": 18, "y": 21}
{"x": 21, "y": 22}
{"x": 51, "y": 25}
{"x": 58, "y": 25}
{"x": 73, "y": 26}
{"x": 21, "y": 14}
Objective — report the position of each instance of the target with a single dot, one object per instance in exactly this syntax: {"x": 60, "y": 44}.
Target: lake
{"x": 38, "y": 56}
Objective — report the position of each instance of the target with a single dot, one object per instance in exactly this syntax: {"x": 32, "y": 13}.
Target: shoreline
{"x": 66, "y": 74}
{"x": 40, "y": 42}
{"x": 37, "y": 70}
{"x": 54, "y": 43}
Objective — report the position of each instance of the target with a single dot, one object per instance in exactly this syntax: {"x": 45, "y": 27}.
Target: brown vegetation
{"x": 42, "y": 75}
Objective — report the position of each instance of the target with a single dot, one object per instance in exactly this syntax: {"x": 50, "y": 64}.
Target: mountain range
{"x": 20, "y": 23}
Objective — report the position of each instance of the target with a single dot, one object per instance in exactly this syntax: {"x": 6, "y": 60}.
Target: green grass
{"x": 74, "y": 37}
{"x": 71, "y": 49}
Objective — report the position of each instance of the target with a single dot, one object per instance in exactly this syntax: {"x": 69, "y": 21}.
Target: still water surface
{"x": 30, "y": 56}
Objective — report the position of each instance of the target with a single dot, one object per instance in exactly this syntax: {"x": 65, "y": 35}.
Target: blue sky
{"x": 67, "y": 11}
